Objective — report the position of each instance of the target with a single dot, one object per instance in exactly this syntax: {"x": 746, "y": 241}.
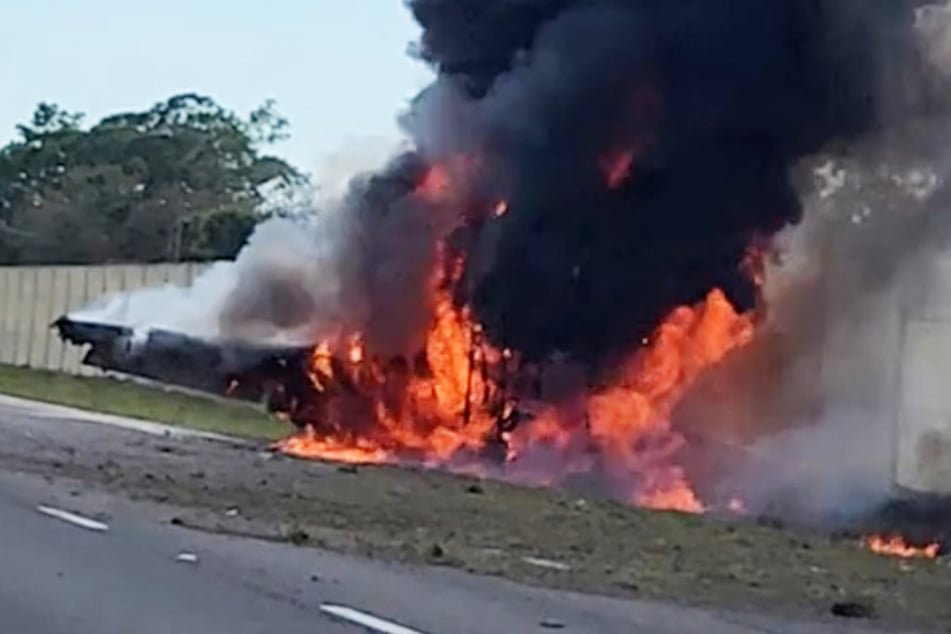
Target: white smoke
{"x": 819, "y": 395}
{"x": 822, "y": 385}
{"x": 357, "y": 155}
{"x": 283, "y": 287}
{"x": 934, "y": 28}
{"x": 188, "y": 309}
{"x": 829, "y": 470}
{"x": 278, "y": 249}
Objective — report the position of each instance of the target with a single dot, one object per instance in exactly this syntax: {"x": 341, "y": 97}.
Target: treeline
{"x": 184, "y": 180}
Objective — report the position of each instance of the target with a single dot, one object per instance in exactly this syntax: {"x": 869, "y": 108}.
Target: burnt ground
{"x": 488, "y": 527}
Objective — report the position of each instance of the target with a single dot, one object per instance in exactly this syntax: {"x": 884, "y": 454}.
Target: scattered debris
{"x": 846, "y": 535}
{"x": 347, "y": 468}
{"x": 298, "y": 537}
{"x": 630, "y": 586}
{"x": 853, "y": 609}
{"x": 770, "y": 522}
{"x": 187, "y": 558}
{"x": 546, "y": 563}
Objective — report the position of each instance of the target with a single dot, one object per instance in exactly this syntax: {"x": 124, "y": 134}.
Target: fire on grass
{"x": 896, "y": 546}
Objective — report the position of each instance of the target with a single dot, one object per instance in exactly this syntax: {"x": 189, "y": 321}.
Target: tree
{"x": 182, "y": 180}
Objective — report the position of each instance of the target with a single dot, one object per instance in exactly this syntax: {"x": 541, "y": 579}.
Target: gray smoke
{"x": 286, "y": 283}
{"x": 824, "y": 379}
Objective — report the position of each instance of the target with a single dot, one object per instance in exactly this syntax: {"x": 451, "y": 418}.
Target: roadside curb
{"x": 49, "y": 410}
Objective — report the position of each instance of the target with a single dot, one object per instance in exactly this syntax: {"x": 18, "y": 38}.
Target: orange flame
{"x": 895, "y": 546}
{"x": 309, "y": 445}
{"x": 435, "y": 185}
{"x": 355, "y": 353}
{"x": 447, "y": 412}
{"x": 429, "y": 422}
{"x": 627, "y": 422}
{"x": 447, "y": 180}
{"x": 320, "y": 370}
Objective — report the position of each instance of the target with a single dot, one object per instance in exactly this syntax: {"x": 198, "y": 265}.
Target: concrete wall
{"x": 33, "y": 297}
{"x": 888, "y": 367}
{"x": 923, "y": 412}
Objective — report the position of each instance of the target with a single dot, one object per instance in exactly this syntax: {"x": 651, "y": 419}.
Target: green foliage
{"x": 181, "y": 181}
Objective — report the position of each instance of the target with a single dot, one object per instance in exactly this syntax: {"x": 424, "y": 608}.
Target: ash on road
{"x": 257, "y": 510}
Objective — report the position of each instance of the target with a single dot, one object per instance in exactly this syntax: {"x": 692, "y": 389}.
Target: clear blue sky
{"x": 338, "y": 69}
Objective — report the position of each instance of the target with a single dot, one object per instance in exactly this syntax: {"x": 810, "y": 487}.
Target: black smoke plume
{"x": 712, "y": 101}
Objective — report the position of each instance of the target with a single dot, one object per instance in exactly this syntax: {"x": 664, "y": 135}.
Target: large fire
{"x": 465, "y": 405}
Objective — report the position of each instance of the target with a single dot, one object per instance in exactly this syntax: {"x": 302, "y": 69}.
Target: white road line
{"x": 72, "y": 518}
{"x": 368, "y": 621}
{"x": 545, "y": 563}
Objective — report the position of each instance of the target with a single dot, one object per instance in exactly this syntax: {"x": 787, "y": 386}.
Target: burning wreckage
{"x": 465, "y": 397}
{"x": 459, "y": 403}
{"x": 236, "y": 369}
{"x": 577, "y": 237}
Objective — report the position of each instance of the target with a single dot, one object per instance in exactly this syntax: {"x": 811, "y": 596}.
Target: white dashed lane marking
{"x": 72, "y": 518}
{"x": 546, "y": 563}
{"x": 368, "y": 621}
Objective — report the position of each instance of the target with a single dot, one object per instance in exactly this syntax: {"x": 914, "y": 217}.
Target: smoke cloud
{"x": 702, "y": 107}
{"x": 823, "y": 380}
{"x": 285, "y": 285}
{"x": 640, "y": 147}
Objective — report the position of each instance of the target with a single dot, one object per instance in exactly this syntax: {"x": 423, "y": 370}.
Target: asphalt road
{"x": 60, "y": 577}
